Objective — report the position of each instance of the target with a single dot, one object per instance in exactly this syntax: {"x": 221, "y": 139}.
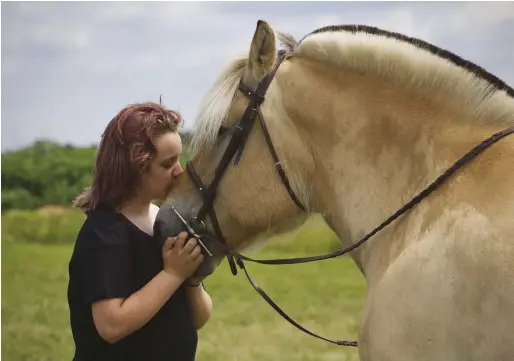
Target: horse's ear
{"x": 262, "y": 51}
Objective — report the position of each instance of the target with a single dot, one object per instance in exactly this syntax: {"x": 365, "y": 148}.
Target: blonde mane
{"x": 215, "y": 105}
{"x": 431, "y": 71}
{"x": 434, "y": 72}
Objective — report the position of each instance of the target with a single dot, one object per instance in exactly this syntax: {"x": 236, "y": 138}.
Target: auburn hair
{"x": 126, "y": 148}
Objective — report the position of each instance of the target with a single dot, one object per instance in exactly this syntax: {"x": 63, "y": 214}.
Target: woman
{"x": 129, "y": 297}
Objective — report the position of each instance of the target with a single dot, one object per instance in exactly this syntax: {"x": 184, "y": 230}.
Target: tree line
{"x": 49, "y": 173}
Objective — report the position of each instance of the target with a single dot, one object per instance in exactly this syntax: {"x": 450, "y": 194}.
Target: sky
{"x": 69, "y": 67}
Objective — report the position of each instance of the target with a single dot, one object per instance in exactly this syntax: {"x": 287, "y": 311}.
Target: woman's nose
{"x": 177, "y": 170}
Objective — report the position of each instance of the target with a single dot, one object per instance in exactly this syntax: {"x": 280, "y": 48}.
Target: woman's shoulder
{"x": 103, "y": 226}
{"x": 103, "y": 218}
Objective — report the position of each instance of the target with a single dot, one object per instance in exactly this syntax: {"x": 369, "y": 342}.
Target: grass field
{"x": 325, "y": 297}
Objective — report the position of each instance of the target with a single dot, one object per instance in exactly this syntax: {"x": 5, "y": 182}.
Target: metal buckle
{"x": 192, "y": 231}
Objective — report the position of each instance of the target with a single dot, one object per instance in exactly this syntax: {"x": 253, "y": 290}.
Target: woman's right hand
{"x": 181, "y": 258}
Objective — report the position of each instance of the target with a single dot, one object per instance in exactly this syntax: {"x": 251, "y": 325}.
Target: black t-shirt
{"x": 113, "y": 258}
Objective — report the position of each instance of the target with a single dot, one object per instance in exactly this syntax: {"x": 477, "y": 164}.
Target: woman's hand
{"x": 181, "y": 258}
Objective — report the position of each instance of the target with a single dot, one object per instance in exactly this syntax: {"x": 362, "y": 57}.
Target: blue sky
{"x": 68, "y": 68}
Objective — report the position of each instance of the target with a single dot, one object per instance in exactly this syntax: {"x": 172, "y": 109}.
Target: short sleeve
{"x": 104, "y": 266}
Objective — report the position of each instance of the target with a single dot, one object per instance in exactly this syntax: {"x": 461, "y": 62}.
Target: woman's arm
{"x": 116, "y": 318}
{"x": 200, "y": 303}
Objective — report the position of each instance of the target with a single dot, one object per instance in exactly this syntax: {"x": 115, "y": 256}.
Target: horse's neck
{"x": 374, "y": 150}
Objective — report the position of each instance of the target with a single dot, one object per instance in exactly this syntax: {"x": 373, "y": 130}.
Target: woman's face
{"x": 165, "y": 169}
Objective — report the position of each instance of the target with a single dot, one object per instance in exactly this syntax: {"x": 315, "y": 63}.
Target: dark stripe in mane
{"x": 479, "y": 72}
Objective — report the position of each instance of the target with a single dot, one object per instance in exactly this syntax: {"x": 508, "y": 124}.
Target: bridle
{"x": 235, "y": 148}
{"x": 196, "y": 226}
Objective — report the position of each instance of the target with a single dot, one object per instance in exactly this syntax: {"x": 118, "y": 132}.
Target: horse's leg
{"x": 448, "y": 300}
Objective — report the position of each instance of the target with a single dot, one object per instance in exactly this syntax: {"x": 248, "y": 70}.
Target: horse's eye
{"x": 222, "y": 131}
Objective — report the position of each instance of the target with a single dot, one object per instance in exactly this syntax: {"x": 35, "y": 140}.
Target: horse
{"x": 352, "y": 122}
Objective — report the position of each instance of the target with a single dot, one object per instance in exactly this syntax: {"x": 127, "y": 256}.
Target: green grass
{"x": 325, "y": 297}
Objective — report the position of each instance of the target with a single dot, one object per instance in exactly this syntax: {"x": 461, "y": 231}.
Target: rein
{"x": 234, "y": 150}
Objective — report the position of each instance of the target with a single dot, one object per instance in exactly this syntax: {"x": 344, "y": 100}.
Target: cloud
{"x": 69, "y": 67}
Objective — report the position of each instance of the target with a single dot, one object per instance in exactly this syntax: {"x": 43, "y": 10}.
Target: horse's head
{"x": 232, "y": 191}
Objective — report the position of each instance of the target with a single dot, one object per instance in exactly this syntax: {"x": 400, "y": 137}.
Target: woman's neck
{"x": 141, "y": 213}
{"x": 136, "y": 206}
